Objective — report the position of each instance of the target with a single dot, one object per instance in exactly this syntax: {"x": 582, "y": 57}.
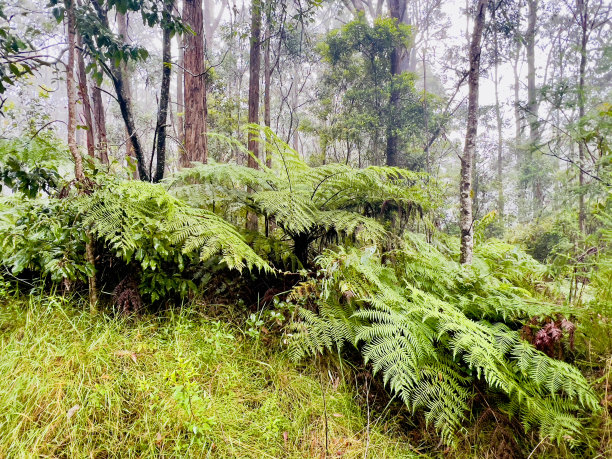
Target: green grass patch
{"x": 179, "y": 385}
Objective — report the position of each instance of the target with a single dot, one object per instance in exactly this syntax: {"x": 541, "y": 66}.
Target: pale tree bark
{"x": 100, "y": 120}
{"x": 500, "y": 140}
{"x": 532, "y": 103}
{"x": 196, "y": 145}
{"x": 212, "y": 20}
{"x": 517, "y": 101}
{"x": 465, "y": 190}
{"x": 582, "y": 13}
{"x": 122, "y": 27}
{"x": 85, "y": 101}
{"x": 180, "y": 101}
{"x": 72, "y": 144}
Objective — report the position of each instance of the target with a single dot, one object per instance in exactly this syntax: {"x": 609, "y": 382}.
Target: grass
{"x": 179, "y": 385}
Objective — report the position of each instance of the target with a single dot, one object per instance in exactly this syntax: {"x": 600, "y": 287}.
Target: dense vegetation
{"x": 195, "y": 283}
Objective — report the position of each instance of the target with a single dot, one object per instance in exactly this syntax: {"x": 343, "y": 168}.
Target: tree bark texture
{"x": 254, "y": 67}
{"x": 465, "y": 191}
{"x": 397, "y": 10}
{"x": 196, "y": 145}
{"x": 582, "y": 9}
{"x": 72, "y": 144}
{"x": 85, "y": 100}
{"x": 267, "y": 75}
{"x": 100, "y": 120}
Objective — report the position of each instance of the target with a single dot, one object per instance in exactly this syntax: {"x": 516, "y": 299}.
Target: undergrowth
{"x": 176, "y": 384}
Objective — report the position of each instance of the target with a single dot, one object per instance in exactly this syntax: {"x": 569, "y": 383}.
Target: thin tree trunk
{"x": 517, "y": 111}
{"x": 180, "y": 100}
{"x": 162, "y": 114}
{"x": 267, "y": 75}
{"x": 100, "y": 119}
{"x": 196, "y": 145}
{"x": 498, "y": 117}
{"x": 124, "y": 101}
{"x": 583, "y": 16}
{"x": 394, "y": 97}
{"x": 84, "y": 96}
{"x": 467, "y": 230}
{"x": 127, "y": 86}
{"x": 254, "y": 65}
{"x": 532, "y": 104}
{"x": 72, "y": 145}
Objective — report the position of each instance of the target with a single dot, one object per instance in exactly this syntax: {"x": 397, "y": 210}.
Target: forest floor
{"x": 170, "y": 385}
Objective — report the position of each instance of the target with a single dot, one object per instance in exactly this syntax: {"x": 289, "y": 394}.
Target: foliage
{"x": 355, "y": 111}
{"x": 139, "y": 223}
{"x": 101, "y": 43}
{"x": 17, "y": 55}
{"x": 43, "y": 236}
{"x": 333, "y": 202}
{"x": 436, "y": 330}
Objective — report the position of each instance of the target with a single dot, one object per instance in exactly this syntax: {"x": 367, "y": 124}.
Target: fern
{"x": 125, "y": 214}
{"x": 427, "y": 340}
{"x": 306, "y": 203}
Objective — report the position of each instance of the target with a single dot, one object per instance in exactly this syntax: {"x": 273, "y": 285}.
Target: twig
{"x": 365, "y": 454}
{"x": 325, "y": 414}
{"x": 534, "y": 449}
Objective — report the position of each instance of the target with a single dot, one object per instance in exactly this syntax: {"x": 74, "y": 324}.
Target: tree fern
{"x": 306, "y": 203}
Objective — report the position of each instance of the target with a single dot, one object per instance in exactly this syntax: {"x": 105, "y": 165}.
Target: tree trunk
{"x": 583, "y": 16}
{"x": 254, "y": 64}
{"x": 532, "y": 104}
{"x": 517, "y": 111}
{"x": 396, "y": 12}
{"x": 84, "y": 96}
{"x": 100, "y": 119}
{"x": 162, "y": 113}
{"x": 267, "y": 75}
{"x": 72, "y": 145}
{"x": 122, "y": 28}
{"x": 465, "y": 190}
{"x": 180, "y": 100}
{"x": 124, "y": 101}
{"x": 196, "y": 145}
{"x": 500, "y": 140}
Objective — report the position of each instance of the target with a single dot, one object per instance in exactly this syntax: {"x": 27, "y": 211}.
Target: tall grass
{"x": 180, "y": 385}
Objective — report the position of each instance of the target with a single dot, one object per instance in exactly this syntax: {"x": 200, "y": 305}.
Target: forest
{"x": 306, "y": 228}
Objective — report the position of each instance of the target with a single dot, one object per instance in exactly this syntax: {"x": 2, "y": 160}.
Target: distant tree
{"x": 367, "y": 104}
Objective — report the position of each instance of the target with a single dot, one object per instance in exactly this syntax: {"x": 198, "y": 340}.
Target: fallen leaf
{"x": 72, "y": 411}
{"x": 129, "y": 354}
{"x": 158, "y": 438}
